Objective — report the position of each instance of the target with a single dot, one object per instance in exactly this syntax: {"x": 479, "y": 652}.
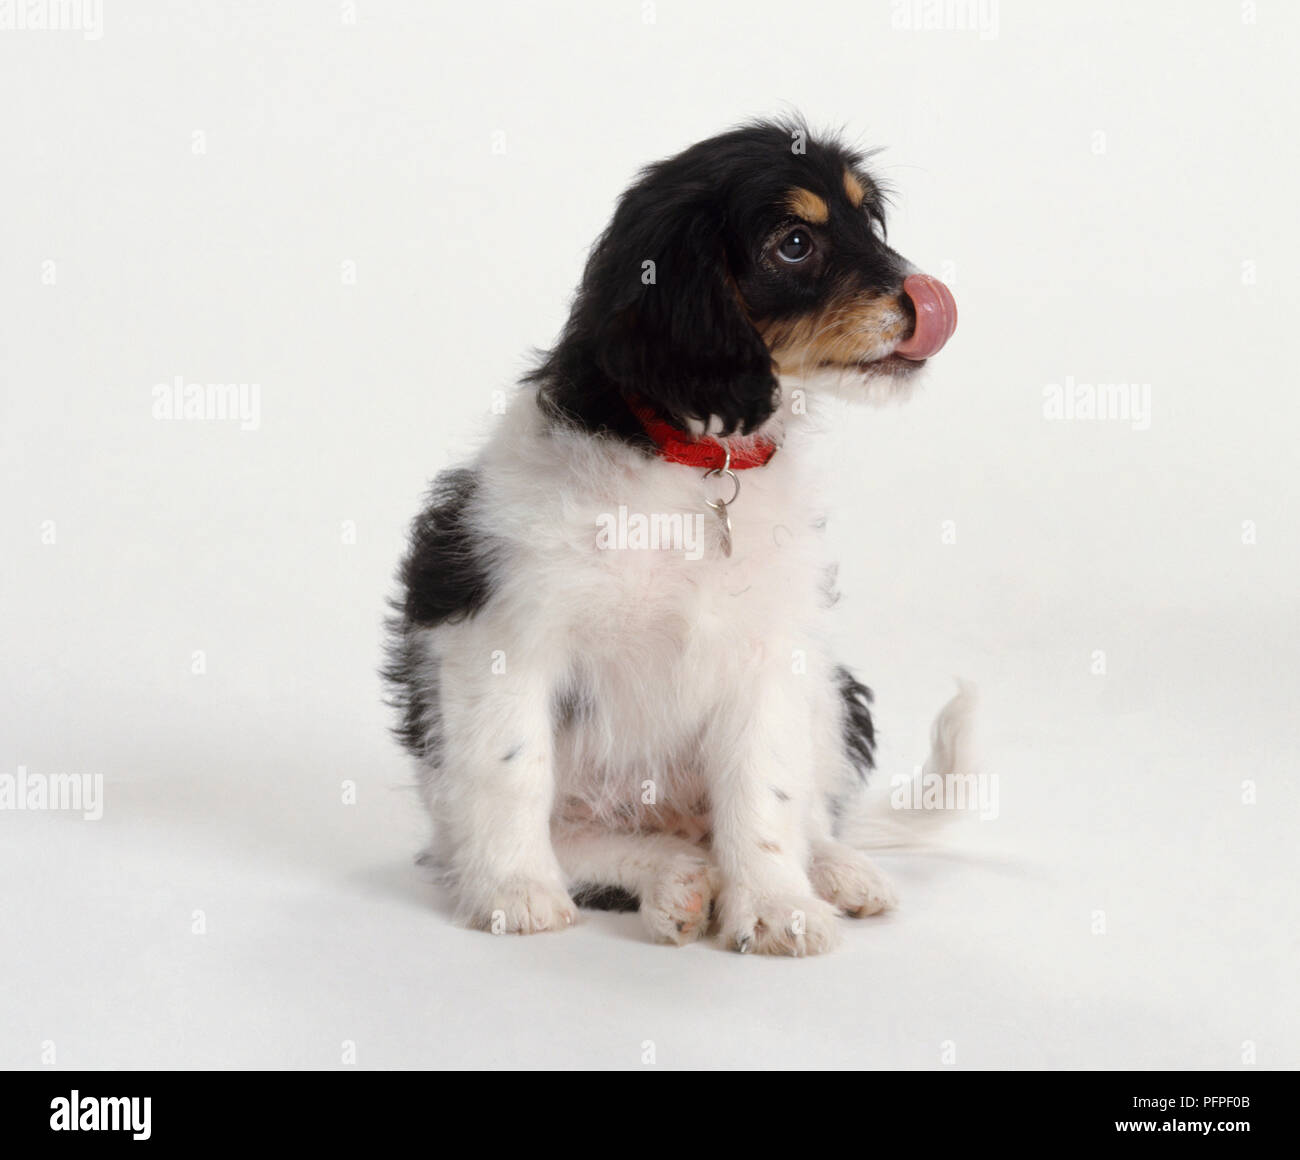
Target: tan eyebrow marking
{"x": 807, "y": 205}
{"x": 854, "y": 188}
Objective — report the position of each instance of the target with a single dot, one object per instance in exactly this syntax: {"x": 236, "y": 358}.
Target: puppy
{"x": 610, "y": 651}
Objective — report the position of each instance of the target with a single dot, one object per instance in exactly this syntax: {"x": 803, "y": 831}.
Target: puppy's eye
{"x": 795, "y": 246}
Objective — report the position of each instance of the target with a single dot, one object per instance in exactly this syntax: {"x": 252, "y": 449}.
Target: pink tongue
{"x": 936, "y": 317}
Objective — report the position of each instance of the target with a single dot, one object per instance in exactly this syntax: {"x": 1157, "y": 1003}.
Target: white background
{"x": 1110, "y": 190}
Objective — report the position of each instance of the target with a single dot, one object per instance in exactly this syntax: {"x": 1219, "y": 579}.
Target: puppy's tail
{"x": 912, "y": 812}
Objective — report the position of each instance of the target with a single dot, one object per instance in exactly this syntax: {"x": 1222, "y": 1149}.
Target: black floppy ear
{"x": 673, "y": 328}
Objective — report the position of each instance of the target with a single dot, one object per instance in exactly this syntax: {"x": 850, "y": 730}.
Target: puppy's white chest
{"x": 661, "y": 607}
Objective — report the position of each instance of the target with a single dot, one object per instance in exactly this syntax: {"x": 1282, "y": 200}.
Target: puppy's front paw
{"x": 678, "y": 906}
{"x": 850, "y": 880}
{"x": 522, "y": 907}
{"x": 777, "y": 924}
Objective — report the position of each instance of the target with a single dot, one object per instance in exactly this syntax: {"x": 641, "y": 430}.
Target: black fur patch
{"x": 446, "y": 573}
{"x": 416, "y": 701}
{"x": 446, "y": 576}
{"x": 859, "y": 729}
{"x": 592, "y": 897}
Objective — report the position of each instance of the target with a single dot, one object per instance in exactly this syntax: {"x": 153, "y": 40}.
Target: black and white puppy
{"x": 611, "y": 651}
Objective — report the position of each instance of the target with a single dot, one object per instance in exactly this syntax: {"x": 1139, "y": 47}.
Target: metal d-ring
{"x": 719, "y": 506}
{"x": 725, "y": 469}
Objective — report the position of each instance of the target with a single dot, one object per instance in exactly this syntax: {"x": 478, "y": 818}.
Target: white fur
{"x": 707, "y": 679}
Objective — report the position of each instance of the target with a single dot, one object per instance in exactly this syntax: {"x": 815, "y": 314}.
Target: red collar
{"x": 677, "y": 446}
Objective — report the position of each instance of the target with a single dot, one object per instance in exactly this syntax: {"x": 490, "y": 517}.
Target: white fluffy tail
{"x": 909, "y": 812}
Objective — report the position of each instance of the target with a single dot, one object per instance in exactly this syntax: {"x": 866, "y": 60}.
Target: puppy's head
{"x": 757, "y": 253}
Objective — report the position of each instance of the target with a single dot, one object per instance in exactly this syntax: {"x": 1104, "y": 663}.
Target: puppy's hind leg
{"x": 847, "y": 878}
{"x": 845, "y": 735}
{"x": 672, "y": 878}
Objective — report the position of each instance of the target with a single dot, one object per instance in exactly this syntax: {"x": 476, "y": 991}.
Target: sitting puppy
{"x": 611, "y": 652}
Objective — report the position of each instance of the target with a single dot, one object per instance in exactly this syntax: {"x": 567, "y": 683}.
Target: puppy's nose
{"x": 936, "y": 317}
